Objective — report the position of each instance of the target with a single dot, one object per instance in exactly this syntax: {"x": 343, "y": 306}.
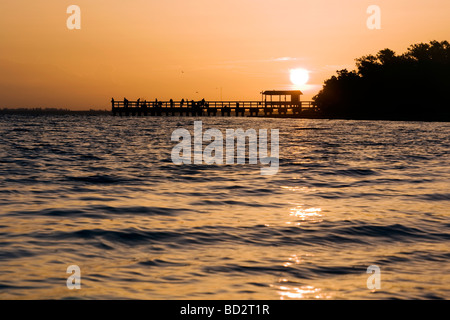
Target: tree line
{"x": 414, "y": 85}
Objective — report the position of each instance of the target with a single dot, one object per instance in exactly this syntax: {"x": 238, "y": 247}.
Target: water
{"x": 103, "y": 194}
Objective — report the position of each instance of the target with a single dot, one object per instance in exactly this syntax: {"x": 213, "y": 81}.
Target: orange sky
{"x": 191, "y": 48}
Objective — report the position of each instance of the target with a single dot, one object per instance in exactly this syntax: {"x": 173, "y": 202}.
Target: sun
{"x": 299, "y": 77}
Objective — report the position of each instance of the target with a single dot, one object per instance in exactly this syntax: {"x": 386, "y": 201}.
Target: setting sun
{"x": 299, "y": 77}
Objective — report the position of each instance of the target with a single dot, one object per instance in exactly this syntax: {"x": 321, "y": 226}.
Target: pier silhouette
{"x": 273, "y": 103}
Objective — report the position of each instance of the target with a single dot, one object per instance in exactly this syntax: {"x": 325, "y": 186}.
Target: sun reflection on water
{"x": 287, "y": 291}
{"x": 306, "y": 214}
{"x": 293, "y": 259}
{"x": 299, "y": 189}
{"x": 313, "y": 215}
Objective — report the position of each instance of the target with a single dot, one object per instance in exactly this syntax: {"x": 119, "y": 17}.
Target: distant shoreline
{"x": 51, "y": 111}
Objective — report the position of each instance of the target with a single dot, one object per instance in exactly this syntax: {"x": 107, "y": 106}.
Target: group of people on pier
{"x": 144, "y": 104}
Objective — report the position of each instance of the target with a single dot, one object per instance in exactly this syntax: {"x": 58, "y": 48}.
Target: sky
{"x": 193, "y": 49}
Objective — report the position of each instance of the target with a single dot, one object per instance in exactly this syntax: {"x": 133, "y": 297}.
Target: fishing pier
{"x": 272, "y": 103}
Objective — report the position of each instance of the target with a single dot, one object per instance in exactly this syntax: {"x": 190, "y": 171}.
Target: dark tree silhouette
{"x": 411, "y": 86}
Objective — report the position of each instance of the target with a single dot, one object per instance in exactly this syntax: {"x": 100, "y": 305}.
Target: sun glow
{"x": 299, "y": 77}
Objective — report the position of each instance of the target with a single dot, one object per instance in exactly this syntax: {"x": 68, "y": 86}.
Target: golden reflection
{"x": 306, "y": 214}
{"x": 298, "y": 189}
{"x": 293, "y": 259}
{"x": 286, "y": 291}
{"x": 309, "y": 214}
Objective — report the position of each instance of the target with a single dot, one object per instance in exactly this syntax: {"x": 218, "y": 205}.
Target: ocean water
{"x": 102, "y": 193}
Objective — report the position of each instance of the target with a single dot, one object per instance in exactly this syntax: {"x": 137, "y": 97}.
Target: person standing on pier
{"x": 137, "y": 102}
{"x": 125, "y": 102}
{"x": 112, "y": 102}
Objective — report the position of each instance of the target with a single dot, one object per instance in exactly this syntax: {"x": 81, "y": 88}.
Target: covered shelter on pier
{"x": 278, "y": 98}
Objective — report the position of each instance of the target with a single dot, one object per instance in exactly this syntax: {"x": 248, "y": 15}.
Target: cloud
{"x": 285, "y": 59}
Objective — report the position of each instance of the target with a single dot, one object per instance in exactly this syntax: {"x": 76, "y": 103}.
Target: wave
{"x": 435, "y": 197}
{"x": 101, "y": 211}
{"x": 97, "y": 179}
